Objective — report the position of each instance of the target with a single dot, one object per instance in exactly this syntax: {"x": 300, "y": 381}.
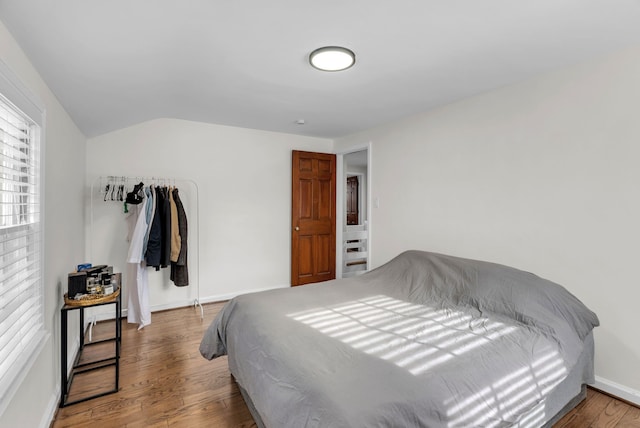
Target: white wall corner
{"x": 54, "y": 401}
{"x": 621, "y": 391}
{"x": 52, "y": 407}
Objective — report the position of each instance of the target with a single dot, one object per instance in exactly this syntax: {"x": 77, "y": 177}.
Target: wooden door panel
{"x": 305, "y": 165}
{"x": 325, "y": 167}
{"x": 325, "y": 196}
{"x": 305, "y": 268}
{"x": 323, "y": 264}
{"x": 305, "y": 199}
{"x": 313, "y": 213}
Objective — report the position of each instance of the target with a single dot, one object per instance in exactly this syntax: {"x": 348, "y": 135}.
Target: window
{"x": 21, "y": 292}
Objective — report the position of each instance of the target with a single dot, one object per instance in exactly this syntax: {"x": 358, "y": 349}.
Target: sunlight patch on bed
{"x": 520, "y": 392}
{"x": 415, "y": 337}
{"x": 420, "y": 338}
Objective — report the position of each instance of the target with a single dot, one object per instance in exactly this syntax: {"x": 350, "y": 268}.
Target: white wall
{"x": 244, "y": 192}
{"x": 36, "y": 400}
{"x": 543, "y": 176}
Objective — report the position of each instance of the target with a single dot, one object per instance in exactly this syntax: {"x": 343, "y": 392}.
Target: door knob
{"x": 297, "y": 228}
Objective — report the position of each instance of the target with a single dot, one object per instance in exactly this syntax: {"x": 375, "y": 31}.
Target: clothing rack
{"x": 128, "y": 182}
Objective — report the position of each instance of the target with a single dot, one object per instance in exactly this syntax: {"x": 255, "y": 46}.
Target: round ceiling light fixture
{"x": 332, "y": 58}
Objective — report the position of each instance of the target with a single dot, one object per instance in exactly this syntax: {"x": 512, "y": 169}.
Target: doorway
{"x": 354, "y": 220}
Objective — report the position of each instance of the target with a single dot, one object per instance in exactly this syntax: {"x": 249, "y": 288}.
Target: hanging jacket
{"x": 175, "y": 231}
{"x": 165, "y": 257}
{"x": 179, "y": 269}
{"x": 149, "y": 212}
{"x": 154, "y": 244}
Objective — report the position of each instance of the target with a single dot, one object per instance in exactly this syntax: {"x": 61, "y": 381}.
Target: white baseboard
{"x": 52, "y": 407}
{"x": 54, "y": 402}
{"x": 621, "y": 391}
{"x": 229, "y": 296}
{"x": 184, "y": 303}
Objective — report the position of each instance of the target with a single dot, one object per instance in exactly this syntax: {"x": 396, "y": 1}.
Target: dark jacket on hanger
{"x": 154, "y": 245}
{"x": 179, "y": 269}
{"x": 165, "y": 249}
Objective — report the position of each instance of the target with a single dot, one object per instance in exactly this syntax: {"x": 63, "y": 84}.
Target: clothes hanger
{"x": 119, "y": 196}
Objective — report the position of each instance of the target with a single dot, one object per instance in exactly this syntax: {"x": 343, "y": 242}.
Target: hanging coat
{"x": 154, "y": 244}
{"x": 165, "y": 249}
{"x": 179, "y": 269}
{"x": 150, "y": 209}
{"x": 175, "y": 230}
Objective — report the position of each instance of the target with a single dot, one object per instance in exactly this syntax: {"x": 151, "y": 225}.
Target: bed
{"x": 426, "y": 340}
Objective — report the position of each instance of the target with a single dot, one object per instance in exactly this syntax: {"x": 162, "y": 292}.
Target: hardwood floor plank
{"x": 572, "y": 420}
{"x": 165, "y": 382}
{"x": 611, "y": 415}
{"x": 211, "y": 413}
{"x": 595, "y": 404}
{"x": 148, "y": 424}
{"x": 630, "y": 419}
{"x": 72, "y": 419}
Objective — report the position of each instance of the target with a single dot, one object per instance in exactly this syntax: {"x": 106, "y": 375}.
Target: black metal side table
{"x": 83, "y": 367}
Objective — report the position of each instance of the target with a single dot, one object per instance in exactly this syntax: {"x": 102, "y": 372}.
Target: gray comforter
{"x": 425, "y": 340}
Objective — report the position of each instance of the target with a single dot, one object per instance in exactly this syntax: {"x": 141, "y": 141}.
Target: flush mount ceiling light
{"x": 332, "y": 58}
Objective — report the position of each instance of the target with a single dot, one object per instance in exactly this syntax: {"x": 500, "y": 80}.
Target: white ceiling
{"x": 243, "y": 63}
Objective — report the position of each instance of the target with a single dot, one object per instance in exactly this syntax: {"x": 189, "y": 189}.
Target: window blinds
{"x": 21, "y": 303}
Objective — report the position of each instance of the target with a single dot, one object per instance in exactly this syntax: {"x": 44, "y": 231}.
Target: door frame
{"x": 341, "y": 201}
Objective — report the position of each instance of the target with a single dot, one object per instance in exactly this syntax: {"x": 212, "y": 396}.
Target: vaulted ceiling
{"x": 245, "y": 63}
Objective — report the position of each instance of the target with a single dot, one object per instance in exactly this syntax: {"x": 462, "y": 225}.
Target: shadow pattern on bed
{"x": 425, "y": 340}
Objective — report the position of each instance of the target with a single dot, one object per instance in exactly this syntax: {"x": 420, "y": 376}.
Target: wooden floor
{"x": 165, "y": 382}
{"x": 600, "y": 410}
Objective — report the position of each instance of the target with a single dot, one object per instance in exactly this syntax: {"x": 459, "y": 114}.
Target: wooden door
{"x": 352, "y": 201}
{"x": 313, "y": 217}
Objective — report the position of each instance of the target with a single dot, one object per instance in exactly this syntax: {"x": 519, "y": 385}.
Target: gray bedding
{"x": 425, "y": 340}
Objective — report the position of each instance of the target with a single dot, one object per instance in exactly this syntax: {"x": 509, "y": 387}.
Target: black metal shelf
{"x": 84, "y": 367}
